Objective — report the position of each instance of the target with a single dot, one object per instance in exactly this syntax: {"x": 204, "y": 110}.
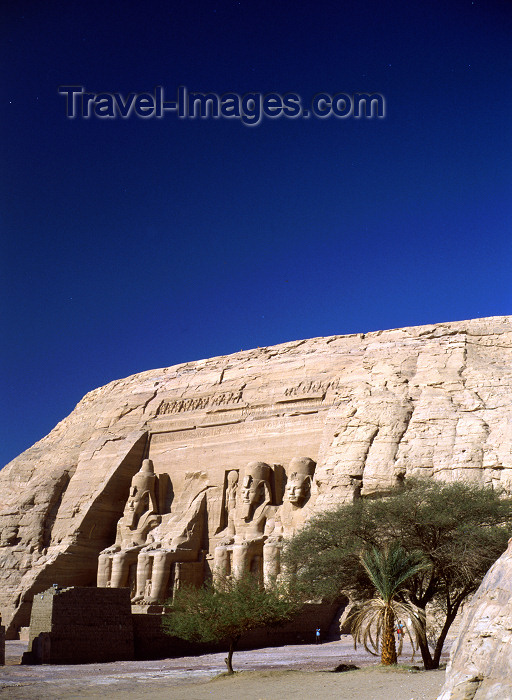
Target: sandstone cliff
{"x": 369, "y": 409}
{"x": 481, "y": 659}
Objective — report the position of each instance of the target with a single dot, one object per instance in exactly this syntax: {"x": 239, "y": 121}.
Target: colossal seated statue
{"x": 173, "y": 554}
{"x": 290, "y": 516}
{"x": 248, "y": 508}
{"x": 297, "y": 494}
{"x": 156, "y": 551}
{"x": 139, "y": 517}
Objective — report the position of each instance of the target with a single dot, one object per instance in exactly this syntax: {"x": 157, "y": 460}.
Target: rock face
{"x": 369, "y": 410}
{"x": 481, "y": 659}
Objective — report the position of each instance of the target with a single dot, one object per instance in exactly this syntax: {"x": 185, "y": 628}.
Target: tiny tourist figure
{"x": 400, "y": 630}
{"x": 318, "y": 635}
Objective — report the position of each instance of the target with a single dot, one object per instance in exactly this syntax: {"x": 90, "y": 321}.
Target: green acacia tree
{"x": 388, "y": 569}
{"x": 460, "y": 528}
{"x": 224, "y": 612}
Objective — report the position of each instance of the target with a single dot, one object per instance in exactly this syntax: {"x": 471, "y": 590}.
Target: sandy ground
{"x": 297, "y": 672}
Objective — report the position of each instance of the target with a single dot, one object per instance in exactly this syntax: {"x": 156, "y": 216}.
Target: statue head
{"x": 298, "y": 487}
{"x": 255, "y": 487}
{"x": 232, "y": 479}
{"x": 142, "y": 493}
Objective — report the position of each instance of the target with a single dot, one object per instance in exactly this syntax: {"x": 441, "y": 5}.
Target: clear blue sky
{"x": 132, "y": 244}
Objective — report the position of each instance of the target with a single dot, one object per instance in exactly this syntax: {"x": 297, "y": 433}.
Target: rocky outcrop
{"x": 369, "y": 409}
{"x": 481, "y": 659}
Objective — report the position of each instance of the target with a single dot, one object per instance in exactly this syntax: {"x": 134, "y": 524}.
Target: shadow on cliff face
{"x": 75, "y": 564}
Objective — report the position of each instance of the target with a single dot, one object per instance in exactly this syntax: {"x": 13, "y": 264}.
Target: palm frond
{"x": 373, "y": 625}
{"x": 390, "y": 567}
{"x": 369, "y": 621}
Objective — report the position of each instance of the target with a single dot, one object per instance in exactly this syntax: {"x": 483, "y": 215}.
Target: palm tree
{"x": 374, "y": 623}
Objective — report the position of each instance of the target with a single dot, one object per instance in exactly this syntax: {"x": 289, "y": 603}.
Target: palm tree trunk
{"x": 388, "y": 654}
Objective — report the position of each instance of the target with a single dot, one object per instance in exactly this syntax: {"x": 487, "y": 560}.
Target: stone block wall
{"x": 80, "y": 625}
{"x": 152, "y": 642}
{"x": 93, "y": 625}
{"x": 300, "y": 630}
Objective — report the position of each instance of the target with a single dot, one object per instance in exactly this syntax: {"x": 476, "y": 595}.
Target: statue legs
{"x": 271, "y": 562}
{"x": 248, "y": 558}
{"x": 104, "y": 570}
{"x": 222, "y": 561}
{"x": 153, "y": 574}
{"x": 120, "y": 569}
{"x": 160, "y": 575}
{"x": 240, "y": 559}
{"x": 144, "y": 565}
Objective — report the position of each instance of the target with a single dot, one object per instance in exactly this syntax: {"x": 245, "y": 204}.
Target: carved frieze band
{"x": 196, "y": 403}
{"x": 306, "y": 397}
{"x": 288, "y": 422}
{"x": 303, "y": 391}
{"x": 312, "y": 388}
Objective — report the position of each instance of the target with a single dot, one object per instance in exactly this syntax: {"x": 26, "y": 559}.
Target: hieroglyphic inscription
{"x": 240, "y": 428}
{"x": 172, "y": 437}
{"x": 262, "y": 415}
{"x": 311, "y": 387}
{"x": 277, "y": 424}
{"x": 196, "y": 403}
{"x": 282, "y": 408}
{"x": 187, "y": 435}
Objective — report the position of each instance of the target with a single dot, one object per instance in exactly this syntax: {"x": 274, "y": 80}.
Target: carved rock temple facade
{"x": 173, "y": 475}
